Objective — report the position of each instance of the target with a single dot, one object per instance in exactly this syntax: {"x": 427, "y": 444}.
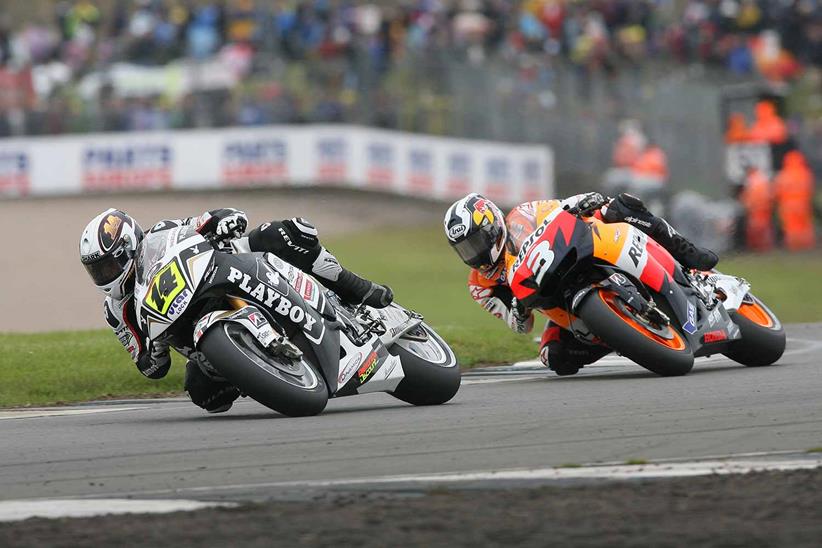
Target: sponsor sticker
{"x": 367, "y": 368}
{"x": 456, "y": 231}
{"x": 349, "y": 368}
{"x": 715, "y": 336}
{"x": 167, "y": 284}
{"x": 690, "y": 325}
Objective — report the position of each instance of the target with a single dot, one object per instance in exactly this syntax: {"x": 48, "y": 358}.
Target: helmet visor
{"x": 475, "y": 249}
{"x": 107, "y": 268}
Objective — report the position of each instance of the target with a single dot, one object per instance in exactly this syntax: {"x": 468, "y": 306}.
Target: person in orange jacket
{"x": 737, "y": 131}
{"x": 768, "y": 127}
{"x": 652, "y": 163}
{"x": 794, "y": 195}
{"x": 757, "y": 198}
{"x": 630, "y": 144}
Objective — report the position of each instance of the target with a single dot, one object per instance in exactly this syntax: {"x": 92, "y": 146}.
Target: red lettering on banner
{"x": 113, "y": 179}
{"x": 251, "y": 173}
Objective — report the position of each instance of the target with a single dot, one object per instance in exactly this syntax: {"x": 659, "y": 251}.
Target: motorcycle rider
{"x": 108, "y": 247}
{"x": 482, "y": 237}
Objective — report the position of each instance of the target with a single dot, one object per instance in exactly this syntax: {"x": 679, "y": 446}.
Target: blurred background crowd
{"x": 122, "y": 65}
{"x": 578, "y": 75}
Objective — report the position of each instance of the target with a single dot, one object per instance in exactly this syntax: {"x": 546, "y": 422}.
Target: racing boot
{"x": 206, "y": 390}
{"x": 630, "y": 209}
{"x": 357, "y": 290}
{"x": 351, "y": 288}
{"x": 563, "y": 354}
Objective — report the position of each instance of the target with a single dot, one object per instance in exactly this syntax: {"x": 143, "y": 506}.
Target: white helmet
{"x": 107, "y": 249}
{"x": 476, "y": 229}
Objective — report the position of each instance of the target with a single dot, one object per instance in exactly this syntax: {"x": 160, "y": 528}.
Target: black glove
{"x": 379, "y": 296}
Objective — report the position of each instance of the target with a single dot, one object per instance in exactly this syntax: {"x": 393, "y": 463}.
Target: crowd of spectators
{"x": 363, "y": 44}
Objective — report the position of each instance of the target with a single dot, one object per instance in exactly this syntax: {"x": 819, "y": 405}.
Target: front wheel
{"x": 290, "y": 387}
{"x": 763, "y": 337}
{"x": 658, "y": 348}
{"x": 432, "y": 375}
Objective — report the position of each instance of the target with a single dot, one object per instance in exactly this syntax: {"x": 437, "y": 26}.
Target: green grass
{"x": 426, "y": 276}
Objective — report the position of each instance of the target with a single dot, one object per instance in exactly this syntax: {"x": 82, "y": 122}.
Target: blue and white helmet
{"x": 475, "y": 228}
{"x": 107, "y": 249}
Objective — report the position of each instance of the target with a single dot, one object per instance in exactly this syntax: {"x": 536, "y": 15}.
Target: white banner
{"x": 402, "y": 163}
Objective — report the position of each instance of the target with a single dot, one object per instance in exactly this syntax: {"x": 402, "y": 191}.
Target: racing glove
{"x": 155, "y": 362}
{"x": 224, "y": 224}
{"x": 584, "y": 205}
{"x": 520, "y": 319}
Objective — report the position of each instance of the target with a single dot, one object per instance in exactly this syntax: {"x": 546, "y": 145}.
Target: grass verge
{"x": 426, "y": 276}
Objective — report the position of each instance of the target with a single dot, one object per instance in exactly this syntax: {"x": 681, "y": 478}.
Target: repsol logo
{"x": 635, "y": 252}
{"x": 526, "y": 245}
{"x": 271, "y": 299}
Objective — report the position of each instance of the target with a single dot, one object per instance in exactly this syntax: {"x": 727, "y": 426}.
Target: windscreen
{"x": 151, "y": 250}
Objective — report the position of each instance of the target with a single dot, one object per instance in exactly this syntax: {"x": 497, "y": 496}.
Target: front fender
{"x": 249, "y": 316}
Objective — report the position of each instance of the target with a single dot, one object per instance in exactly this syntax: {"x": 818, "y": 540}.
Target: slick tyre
{"x": 432, "y": 376}
{"x": 763, "y": 337}
{"x": 291, "y": 387}
{"x": 660, "y": 349}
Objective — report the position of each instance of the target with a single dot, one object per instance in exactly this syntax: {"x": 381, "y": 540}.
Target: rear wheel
{"x": 763, "y": 337}
{"x": 658, "y": 348}
{"x": 432, "y": 376}
{"x": 290, "y": 387}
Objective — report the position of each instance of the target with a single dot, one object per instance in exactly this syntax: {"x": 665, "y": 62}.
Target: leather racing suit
{"x": 559, "y": 349}
{"x": 294, "y": 240}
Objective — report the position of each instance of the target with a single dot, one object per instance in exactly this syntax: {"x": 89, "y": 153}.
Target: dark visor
{"x": 106, "y": 269}
{"x": 475, "y": 249}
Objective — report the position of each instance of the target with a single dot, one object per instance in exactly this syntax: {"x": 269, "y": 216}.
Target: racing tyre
{"x": 763, "y": 337}
{"x": 290, "y": 387}
{"x": 658, "y": 348}
{"x": 432, "y": 375}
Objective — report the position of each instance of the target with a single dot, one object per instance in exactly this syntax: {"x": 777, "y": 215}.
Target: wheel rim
{"x": 424, "y": 344}
{"x": 756, "y": 313}
{"x": 665, "y": 335}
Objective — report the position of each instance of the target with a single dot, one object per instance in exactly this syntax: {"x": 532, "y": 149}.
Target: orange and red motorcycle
{"x": 610, "y": 284}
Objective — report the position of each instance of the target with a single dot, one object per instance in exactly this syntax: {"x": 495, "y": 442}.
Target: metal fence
{"x": 527, "y": 98}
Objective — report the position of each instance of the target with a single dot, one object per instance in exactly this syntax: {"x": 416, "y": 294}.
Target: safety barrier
{"x": 350, "y": 156}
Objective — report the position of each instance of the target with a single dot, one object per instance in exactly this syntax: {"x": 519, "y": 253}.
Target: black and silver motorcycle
{"x": 277, "y": 334}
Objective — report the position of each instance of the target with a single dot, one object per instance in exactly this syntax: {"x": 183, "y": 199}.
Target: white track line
{"x": 619, "y": 361}
{"x": 17, "y": 510}
{"x": 63, "y": 412}
{"x": 769, "y": 462}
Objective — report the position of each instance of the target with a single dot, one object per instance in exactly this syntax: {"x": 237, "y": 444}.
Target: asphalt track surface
{"x": 501, "y": 419}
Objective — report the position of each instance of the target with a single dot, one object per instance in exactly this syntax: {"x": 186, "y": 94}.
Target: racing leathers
{"x": 294, "y": 240}
{"x": 559, "y": 349}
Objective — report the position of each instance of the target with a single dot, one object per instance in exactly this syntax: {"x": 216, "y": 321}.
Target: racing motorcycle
{"x": 610, "y": 284}
{"x": 278, "y": 335}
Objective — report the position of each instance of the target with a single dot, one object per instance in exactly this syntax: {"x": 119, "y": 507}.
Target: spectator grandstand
{"x": 535, "y": 70}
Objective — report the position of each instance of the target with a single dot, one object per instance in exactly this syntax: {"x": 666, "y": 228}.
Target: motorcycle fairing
{"x": 170, "y": 267}
{"x": 630, "y": 249}
{"x": 558, "y": 248}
